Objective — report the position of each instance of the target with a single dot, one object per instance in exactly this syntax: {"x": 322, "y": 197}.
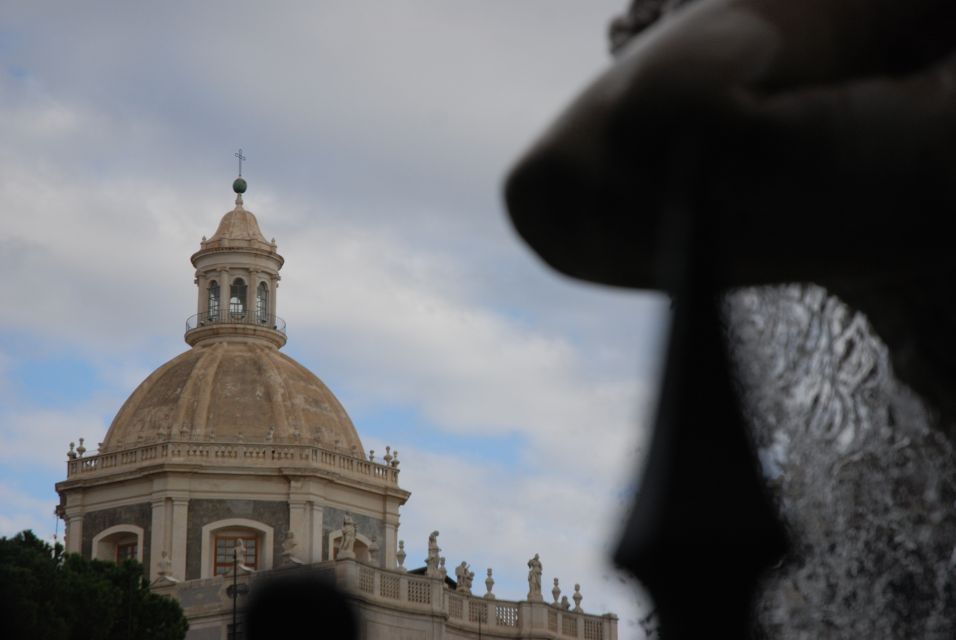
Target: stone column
{"x": 253, "y": 293}
{"x": 202, "y": 303}
{"x": 273, "y": 293}
{"x": 157, "y": 538}
{"x": 250, "y": 295}
{"x": 180, "y": 513}
{"x": 224, "y": 288}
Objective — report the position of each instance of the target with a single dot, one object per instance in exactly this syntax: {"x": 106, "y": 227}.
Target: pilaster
{"x": 391, "y": 541}
{"x": 158, "y": 540}
{"x": 180, "y": 514}
{"x": 300, "y": 520}
{"x": 74, "y": 530}
{"x": 316, "y": 538}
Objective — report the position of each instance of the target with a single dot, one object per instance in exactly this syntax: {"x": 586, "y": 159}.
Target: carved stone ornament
{"x": 401, "y": 555}
{"x": 489, "y": 583}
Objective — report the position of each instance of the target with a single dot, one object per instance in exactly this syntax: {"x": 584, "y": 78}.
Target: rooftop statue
{"x": 534, "y": 578}
{"x": 347, "y": 547}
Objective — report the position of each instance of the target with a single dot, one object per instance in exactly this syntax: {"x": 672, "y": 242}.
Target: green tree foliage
{"x": 48, "y": 595}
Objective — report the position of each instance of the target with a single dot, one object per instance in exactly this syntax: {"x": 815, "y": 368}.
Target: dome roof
{"x": 238, "y": 229}
{"x": 233, "y": 391}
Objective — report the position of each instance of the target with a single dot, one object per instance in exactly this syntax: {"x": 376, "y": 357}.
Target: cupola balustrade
{"x": 220, "y": 317}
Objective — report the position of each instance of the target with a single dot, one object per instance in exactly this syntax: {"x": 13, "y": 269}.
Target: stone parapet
{"x": 410, "y": 594}
{"x": 213, "y": 454}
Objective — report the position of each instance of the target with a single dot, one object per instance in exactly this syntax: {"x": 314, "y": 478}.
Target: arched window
{"x": 219, "y": 544}
{"x": 225, "y": 547}
{"x": 237, "y": 298}
{"x": 119, "y": 543}
{"x": 212, "y": 302}
{"x": 262, "y": 303}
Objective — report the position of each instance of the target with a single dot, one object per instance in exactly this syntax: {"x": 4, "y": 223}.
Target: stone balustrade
{"x": 213, "y": 453}
{"x": 466, "y": 612}
{"x": 417, "y": 594}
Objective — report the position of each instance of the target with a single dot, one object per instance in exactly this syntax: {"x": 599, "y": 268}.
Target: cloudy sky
{"x": 377, "y": 137}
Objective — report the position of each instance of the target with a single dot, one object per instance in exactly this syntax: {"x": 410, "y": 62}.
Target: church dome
{"x": 233, "y": 391}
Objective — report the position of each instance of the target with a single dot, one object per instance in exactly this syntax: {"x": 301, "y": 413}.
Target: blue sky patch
{"x": 53, "y": 379}
{"x": 397, "y": 425}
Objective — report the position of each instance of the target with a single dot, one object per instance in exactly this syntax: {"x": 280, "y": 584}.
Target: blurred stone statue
{"x": 534, "y": 578}
{"x": 434, "y": 552}
{"x": 810, "y": 142}
{"x": 288, "y": 550}
{"x": 464, "y": 576}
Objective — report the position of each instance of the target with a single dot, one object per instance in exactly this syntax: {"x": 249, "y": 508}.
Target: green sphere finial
{"x": 239, "y": 186}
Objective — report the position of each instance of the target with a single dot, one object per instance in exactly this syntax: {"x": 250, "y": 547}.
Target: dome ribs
{"x": 206, "y": 371}
{"x": 280, "y": 395}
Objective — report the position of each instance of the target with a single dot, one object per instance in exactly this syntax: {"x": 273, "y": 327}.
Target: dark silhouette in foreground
{"x": 743, "y": 143}
{"x": 298, "y": 603}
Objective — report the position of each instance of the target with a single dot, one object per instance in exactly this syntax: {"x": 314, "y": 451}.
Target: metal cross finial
{"x": 241, "y": 157}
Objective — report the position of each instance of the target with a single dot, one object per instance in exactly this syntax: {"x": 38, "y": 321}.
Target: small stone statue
{"x": 395, "y": 462}
{"x": 388, "y": 455}
{"x": 371, "y": 455}
{"x": 434, "y": 551}
{"x": 165, "y": 565}
{"x": 556, "y": 592}
{"x": 577, "y": 597}
{"x": 164, "y": 572}
{"x": 400, "y": 556}
{"x": 288, "y": 550}
{"x": 564, "y": 603}
{"x": 346, "y": 549}
{"x": 239, "y": 553}
{"x": 81, "y": 449}
{"x": 465, "y": 576}
{"x": 489, "y": 583}
{"x": 534, "y": 579}
{"x": 442, "y": 571}
{"x": 71, "y": 454}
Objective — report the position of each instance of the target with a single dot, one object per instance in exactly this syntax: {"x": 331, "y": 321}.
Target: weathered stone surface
{"x": 200, "y": 594}
{"x": 234, "y": 391}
